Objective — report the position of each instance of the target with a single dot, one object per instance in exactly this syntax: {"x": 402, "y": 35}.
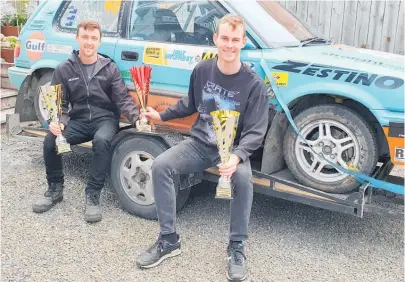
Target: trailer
{"x": 280, "y": 184}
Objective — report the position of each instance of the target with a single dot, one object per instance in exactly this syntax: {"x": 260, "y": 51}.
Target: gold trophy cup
{"x": 224, "y": 123}
{"x": 141, "y": 76}
{"x": 52, "y": 97}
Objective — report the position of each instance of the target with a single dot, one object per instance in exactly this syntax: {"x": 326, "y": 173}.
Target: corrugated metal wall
{"x": 377, "y": 25}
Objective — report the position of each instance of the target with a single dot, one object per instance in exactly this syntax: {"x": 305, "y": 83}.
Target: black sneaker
{"x": 52, "y": 196}
{"x": 158, "y": 252}
{"x": 237, "y": 269}
{"x": 93, "y": 210}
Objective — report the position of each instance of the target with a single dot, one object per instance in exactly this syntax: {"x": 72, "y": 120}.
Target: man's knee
{"x": 160, "y": 165}
{"x": 243, "y": 174}
{"x": 49, "y": 142}
{"x": 101, "y": 142}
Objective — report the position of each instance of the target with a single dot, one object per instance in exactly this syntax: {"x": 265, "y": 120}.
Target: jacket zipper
{"x": 87, "y": 88}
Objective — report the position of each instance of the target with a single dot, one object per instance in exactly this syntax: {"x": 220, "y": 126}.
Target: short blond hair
{"x": 233, "y": 21}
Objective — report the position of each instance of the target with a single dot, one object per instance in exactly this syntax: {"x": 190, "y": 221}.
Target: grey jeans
{"x": 193, "y": 156}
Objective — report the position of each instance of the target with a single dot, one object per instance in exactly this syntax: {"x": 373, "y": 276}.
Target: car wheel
{"x": 339, "y": 135}
{"x": 131, "y": 176}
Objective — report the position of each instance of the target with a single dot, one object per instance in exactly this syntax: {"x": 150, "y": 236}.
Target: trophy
{"x": 52, "y": 97}
{"x": 141, "y": 75}
{"x": 224, "y": 123}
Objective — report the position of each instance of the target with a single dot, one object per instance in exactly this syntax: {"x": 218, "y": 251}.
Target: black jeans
{"x": 101, "y": 132}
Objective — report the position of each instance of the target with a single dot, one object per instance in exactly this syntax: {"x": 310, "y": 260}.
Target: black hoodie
{"x": 105, "y": 95}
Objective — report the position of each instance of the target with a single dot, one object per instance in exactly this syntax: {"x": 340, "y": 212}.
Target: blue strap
{"x": 361, "y": 177}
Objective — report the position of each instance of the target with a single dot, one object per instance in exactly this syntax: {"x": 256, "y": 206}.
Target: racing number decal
{"x": 399, "y": 154}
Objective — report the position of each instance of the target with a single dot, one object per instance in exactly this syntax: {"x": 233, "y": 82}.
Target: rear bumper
{"x": 17, "y": 75}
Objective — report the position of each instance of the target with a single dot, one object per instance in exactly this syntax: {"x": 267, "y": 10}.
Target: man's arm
{"x": 57, "y": 79}
{"x": 184, "y": 107}
{"x": 255, "y": 122}
{"x": 120, "y": 96}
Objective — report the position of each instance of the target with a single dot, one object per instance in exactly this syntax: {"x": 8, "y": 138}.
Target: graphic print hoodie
{"x": 212, "y": 90}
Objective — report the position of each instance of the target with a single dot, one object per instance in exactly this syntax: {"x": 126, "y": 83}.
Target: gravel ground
{"x": 288, "y": 241}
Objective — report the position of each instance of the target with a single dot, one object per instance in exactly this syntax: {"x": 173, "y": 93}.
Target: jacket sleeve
{"x": 255, "y": 122}
{"x": 184, "y": 107}
{"x": 120, "y": 96}
{"x": 57, "y": 78}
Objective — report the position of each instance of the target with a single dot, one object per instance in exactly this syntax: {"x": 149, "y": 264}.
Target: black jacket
{"x": 105, "y": 95}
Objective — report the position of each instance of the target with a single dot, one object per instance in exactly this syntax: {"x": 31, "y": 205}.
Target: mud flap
{"x": 25, "y": 102}
{"x": 273, "y": 158}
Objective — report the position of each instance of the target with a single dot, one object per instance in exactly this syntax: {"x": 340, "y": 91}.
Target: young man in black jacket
{"x": 96, "y": 92}
{"x": 224, "y": 83}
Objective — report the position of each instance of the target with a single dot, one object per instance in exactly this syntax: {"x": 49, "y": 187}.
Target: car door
{"x": 172, "y": 37}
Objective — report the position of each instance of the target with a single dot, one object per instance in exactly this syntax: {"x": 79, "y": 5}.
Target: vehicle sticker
{"x": 341, "y": 74}
{"x": 59, "y": 49}
{"x": 35, "y": 45}
{"x": 281, "y": 78}
{"x": 399, "y": 154}
{"x": 112, "y": 6}
{"x": 363, "y": 60}
{"x": 209, "y": 55}
{"x": 174, "y": 56}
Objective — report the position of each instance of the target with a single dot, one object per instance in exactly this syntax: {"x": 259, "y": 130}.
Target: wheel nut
{"x": 321, "y": 144}
{"x": 333, "y": 145}
{"x": 332, "y": 156}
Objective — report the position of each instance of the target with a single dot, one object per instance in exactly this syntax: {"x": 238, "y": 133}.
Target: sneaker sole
{"x": 172, "y": 254}
{"x": 235, "y": 280}
{"x": 39, "y": 210}
{"x": 93, "y": 219}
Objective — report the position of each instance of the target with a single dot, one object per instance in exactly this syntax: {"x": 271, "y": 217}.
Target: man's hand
{"x": 150, "y": 113}
{"x": 229, "y": 168}
{"x": 56, "y": 129}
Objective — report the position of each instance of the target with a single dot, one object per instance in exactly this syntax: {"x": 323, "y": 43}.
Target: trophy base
{"x": 224, "y": 189}
{"x": 62, "y": 146}
{"x": 143, "y": 126}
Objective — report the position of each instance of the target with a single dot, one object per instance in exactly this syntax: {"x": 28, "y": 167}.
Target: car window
{"x": 184, "y": 22}
{"x": 106, "y": 13}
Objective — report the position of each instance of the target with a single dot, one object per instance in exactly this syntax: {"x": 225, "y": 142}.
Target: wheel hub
{"x": 327, "y": 150}
{"x": 136, "y": 175}
{"x": 326, "y": 141}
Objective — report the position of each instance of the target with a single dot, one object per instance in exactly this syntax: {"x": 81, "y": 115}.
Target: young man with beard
{"x": 223, "y": 83}
{"x": 94, "y": 88}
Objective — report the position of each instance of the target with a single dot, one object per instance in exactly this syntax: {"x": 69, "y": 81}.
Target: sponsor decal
{"x": 112, "y": 6}
{"x": 154, "y": 55}
{"x": 59, "y": 49}
{"x": 209, "y": 55}
{"x": 35, "y": 46}
{"x": 399, "y": 154}
{"x": 179, "y": 55}
{"x": 342, "y": 74}
{"x": 171, "y": 56}
{"x": 281, "y": 78}
{"x": 366, "y": 61}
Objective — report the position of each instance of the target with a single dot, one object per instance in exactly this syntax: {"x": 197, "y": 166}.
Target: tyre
{"x": 339, "y": 135}
{"x": 40, "y": 110}
{"x": 131, "y": 176}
